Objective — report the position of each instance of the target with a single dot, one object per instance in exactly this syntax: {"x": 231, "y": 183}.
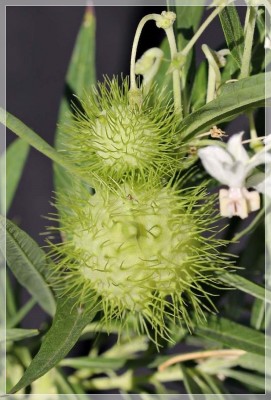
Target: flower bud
{"x": 166, "y": 20}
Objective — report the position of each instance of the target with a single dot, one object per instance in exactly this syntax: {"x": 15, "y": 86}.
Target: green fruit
{"x": 113, "y": 140}
{"x": 140, "y": 250}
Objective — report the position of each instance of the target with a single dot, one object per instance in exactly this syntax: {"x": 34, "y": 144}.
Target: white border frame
{"x": 53, "y": 3}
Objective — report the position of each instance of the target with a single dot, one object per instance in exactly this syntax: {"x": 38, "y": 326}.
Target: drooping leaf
{"x": 28, "y": 263}
{"x": 19, "y": 334}
{"x": 15, "y": 158}
{"x": 235, "y": 98}
{"x": 68, "y": 323}
{"x": 233, "y": 32}
{"x": 80, "y": 77}
{"x": 232, "y": 335}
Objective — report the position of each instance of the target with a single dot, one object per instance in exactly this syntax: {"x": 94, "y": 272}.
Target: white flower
{"x": 232, "y": 166}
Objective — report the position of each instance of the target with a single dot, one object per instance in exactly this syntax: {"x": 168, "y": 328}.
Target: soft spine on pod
{"x": 135, "y": 247}
{"x": 140, "y": 250}
{"x": 116, "y": 141}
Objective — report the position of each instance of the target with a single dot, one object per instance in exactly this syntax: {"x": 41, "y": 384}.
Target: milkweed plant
{"x": 156, "y": 244}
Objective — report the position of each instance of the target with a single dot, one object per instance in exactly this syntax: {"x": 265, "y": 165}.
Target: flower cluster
{"x": 233, "y": 167}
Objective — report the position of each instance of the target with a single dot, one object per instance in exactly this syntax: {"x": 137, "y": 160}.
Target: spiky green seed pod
{"x": 139, "y": 249}
{"x": 112, "y": 139}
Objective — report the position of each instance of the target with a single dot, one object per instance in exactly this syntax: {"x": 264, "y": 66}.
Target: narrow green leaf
{"x": 95, "y": 363}
{"x": 66, "y": 329}
{"x": 247, "y": 286}
{"x": 232, "y": 335}
{"x": 253, "y": 362}
{"x": 19, "y": 334}
{"x": 214, "y": 384}
{"x": 235, "y": 98}
{"x": 63, "y": 385}
{"x": 81, "y": 72}
{"x": 31, "y": 137}
{"x": 250, "y": 380}
{"x": 233, "y": 32}
{"x": 191, "y": 386}
{"x": 28, "y": 263}
{"x": 16, "y": 156}
{"x": 80, "y": 77}
{"x": 257, "y": 318}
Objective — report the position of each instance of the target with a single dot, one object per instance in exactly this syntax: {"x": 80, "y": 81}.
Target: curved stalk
{"x": 173, "y": 51}
{"x": 149, "y": 17}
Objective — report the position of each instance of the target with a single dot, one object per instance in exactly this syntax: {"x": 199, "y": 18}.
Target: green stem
{"x": 201, "y": 29}
{"x": 249, "y": 34}
{"x": 214, "y": 77}
{"x": 251, "y": 226}
{"x": 175, "y": 75}
{"x": 211, "y": 84}
{"x": 246, "y": 21}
